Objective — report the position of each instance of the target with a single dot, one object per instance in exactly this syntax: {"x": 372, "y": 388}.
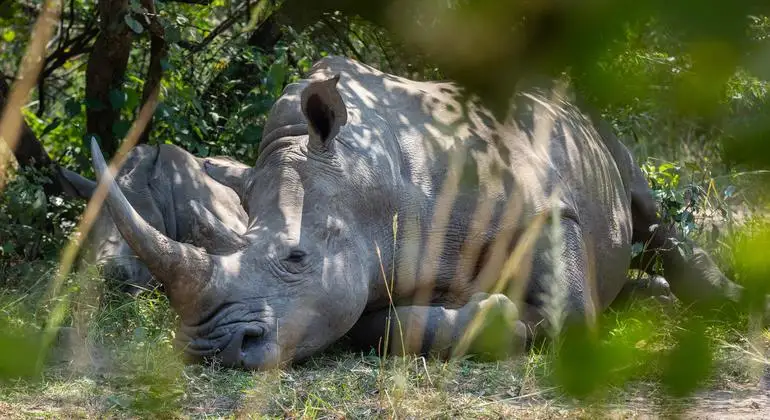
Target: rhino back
{"x": 544, "y": 152}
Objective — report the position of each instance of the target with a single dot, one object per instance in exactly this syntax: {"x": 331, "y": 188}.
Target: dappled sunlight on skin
{"x": 374, "y": 195}
{"x": 423, "y": 172}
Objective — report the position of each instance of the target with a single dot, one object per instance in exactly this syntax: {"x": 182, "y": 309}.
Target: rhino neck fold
{"x": 291, "y": 130}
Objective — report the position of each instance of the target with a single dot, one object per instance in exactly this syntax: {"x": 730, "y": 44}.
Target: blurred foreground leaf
{"x": 690, "y": 362}
{"x": 19, "y": 350}
{"x": 583, "y": 364}
{"x": 753, "y": 267}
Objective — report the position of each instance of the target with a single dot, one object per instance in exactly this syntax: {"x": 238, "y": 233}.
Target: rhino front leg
{"x": 487, "y": 326}
{"x": 654, "y": 287}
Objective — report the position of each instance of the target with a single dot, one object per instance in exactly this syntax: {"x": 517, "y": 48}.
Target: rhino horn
{"x": 183, "y": 269}
{"x": 79, "y": 186}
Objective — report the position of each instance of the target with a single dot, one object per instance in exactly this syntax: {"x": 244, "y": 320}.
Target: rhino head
{"x": 302, "y": 279}
{"x": 104, "y": 245}
{"x": 169, "y": 189}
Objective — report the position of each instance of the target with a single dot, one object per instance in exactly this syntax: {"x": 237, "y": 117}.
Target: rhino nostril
{"x": 116, "y": 272}
{"x": 252, "y": 338}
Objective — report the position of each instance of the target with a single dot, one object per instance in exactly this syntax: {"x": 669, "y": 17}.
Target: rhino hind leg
{"x": 492, "y": 326}
{"x": 694, "y": 278}
{"x": 654, "y": 288}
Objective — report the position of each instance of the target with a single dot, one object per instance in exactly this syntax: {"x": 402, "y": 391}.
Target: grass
{"x": 119, "y": 362}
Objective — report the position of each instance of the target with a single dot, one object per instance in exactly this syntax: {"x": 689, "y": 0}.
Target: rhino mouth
{"x": 246, "y": 348}
{"x": 233, "y": 338}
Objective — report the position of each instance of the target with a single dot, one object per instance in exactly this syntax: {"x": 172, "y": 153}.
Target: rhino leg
{"x": 693, "y": 278}
{"x": 487, "y": 326}
{"x": 561, "y": 297}
{"x": 654, "y": 287}
{"x": 497, "y": 327}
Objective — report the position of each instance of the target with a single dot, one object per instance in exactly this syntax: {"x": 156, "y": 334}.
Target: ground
{"x": 355, "y": 386}
{"x": 139, "y": 375}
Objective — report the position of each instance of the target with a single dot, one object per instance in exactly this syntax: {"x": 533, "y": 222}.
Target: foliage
{"x": 32, "y": 225}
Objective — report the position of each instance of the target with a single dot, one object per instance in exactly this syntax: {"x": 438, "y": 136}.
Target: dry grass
{"x": 341, "y": 384}
{"x": 124, "y": 366}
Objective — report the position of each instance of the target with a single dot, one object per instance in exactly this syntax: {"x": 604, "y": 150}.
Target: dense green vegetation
{"x": 682, "y": 82}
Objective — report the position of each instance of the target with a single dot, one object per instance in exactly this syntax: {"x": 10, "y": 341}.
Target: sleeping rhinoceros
{"x": 169, "y": 188}
{"x": 374, "y": 192}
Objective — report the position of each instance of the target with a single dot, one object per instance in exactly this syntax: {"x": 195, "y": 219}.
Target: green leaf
{"x": 172, "y": 34}
{"x": 582, "y": 366}
{"x": 132, "y": 99}
{"x": 72, "y": 107}
{"x": 50, "y": 127}
{"x": 7, "y": 248}
{"x": 690, "y": 362}
{"x": 120, "y": 128}
{"x": 133, "y": 24}
{"x": 9, "y": 35}
{"x": 275, "y": 77}
{"x": 135, "y": 6}
{"x": 18, "y": 351}
{"x": 117, "y": 98}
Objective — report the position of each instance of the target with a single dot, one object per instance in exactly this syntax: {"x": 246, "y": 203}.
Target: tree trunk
{"x": 106, "y": 69}
{"x": 158, "y": 48}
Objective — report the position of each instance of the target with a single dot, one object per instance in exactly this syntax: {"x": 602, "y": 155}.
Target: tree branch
{"x": 222, "y": 27}
{"x": 341, "y": 36}
{"x": 30, "y": 152}
{"x": 106, "y": 69}
{"x": 79, "y": 45}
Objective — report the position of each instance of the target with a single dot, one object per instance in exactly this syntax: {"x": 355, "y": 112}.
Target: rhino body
{"x": 170, "y": 190}
{"x": 375, "y": 195}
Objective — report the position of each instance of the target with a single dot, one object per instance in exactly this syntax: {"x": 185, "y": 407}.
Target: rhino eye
{"x": 296, "y": 256}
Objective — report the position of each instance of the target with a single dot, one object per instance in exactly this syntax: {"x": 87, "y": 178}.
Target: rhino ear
{"x": 228, "y": 173}
{"x": 220, "y": 239}
{"x": 324, "y": 109}
{"x": 79, "y": 186}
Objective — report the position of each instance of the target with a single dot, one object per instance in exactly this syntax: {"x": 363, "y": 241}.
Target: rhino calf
{"x": 374, "y": 195}
{"x": 169, "y": 189}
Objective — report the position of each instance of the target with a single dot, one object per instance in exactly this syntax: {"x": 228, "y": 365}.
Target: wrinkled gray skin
{"x": 350, "y": 148}
{"x": 170, "y": 190}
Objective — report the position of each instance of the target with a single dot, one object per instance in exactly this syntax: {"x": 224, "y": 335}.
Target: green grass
{"x": 119, "y": 362}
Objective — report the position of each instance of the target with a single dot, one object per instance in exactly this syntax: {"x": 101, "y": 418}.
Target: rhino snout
{"x": 250, "y": 349}
{"x": 132, "y": 276}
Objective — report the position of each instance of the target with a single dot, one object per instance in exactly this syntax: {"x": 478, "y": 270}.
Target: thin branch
{"x": 30, "y": 152}
{"x": 222, "y": 27}
{"x": 158, "y": 49}
{"x": 342, "y": 37}
{"x": 202, "y": 2}
{"x": 77, "y": 46}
